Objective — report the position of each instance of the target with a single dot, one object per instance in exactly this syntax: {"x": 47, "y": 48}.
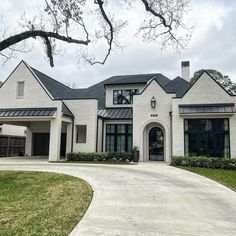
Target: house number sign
{"x": 154, "y": 115}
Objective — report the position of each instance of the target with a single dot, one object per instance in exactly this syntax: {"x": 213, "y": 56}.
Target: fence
{"x": 12, "y": 146}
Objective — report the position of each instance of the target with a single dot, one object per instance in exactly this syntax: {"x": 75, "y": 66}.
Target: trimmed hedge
{"x": 207, "y": 162}
{"x": 99, "y": 156}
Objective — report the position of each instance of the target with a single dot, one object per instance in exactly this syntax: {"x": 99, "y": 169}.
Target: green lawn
{"x": 225, "y": 177}
{"x": 37, "y": 203}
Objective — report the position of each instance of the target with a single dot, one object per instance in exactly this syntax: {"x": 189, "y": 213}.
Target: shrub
{"x": 99, "y": 156}
{"x": 207, "y": 162}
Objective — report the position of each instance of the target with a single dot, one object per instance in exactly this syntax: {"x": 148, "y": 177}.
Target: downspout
{"x": 72, "y": 133}
{"x": 171, "y": 134}
{"x": 102, "y": 134}
{"x": 97, "y": 136}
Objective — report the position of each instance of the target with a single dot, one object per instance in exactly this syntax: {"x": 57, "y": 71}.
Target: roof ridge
{"x": 136, "y": 74}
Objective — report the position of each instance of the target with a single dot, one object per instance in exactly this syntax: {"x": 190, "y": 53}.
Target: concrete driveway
{"x": 146, "y": 199}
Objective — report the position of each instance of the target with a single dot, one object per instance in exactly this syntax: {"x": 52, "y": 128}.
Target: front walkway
{"x": 146, "y": 199}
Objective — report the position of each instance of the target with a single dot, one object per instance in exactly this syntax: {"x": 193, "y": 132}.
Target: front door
{"x": 156, "y": 144}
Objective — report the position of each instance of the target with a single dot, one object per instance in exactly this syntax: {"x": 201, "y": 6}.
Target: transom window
{"x": 119, "y": 137}
{"x": 206, "y": 137}
{"x": 124, "y": 96}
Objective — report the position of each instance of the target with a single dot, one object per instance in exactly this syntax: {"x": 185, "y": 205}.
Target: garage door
{"x": 41, "y": 144}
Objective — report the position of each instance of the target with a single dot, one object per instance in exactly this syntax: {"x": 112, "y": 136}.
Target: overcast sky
{"x": 212, "y": 46}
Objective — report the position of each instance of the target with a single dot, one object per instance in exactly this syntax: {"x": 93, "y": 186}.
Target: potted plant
{"x": 135, "y": 154}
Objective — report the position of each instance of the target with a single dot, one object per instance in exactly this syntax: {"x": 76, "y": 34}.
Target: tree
{"x": 224, "y": 80}
{"x": 85, "y": 23}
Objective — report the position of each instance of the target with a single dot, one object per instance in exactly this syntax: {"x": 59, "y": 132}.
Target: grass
{"x": 225, "y": 177}
{"x": 37, "y": 203}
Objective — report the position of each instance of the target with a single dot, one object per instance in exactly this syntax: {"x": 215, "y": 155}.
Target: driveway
{"x": 146, "y": 199}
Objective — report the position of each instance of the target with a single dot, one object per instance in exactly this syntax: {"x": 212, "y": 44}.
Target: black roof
{"x": 207, "y": 108}
{"x": 137, "y": 79}
{"x": 97, "y": 91}
{"x": 116, "y": 113}
{"x": 16, "y": 112}
{"x": 178, "y": 86}
{"x": 54, "y": 87}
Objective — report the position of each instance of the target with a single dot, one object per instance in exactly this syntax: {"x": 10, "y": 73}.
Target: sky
{"x": 212, "y": 45}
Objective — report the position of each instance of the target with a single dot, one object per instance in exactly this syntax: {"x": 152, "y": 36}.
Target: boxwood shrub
{"x": 99, "y": 156}
{"x": 207, "y": 162}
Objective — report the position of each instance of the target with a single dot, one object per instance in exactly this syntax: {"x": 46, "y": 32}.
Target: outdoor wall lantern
{"x": 153, "y": 102}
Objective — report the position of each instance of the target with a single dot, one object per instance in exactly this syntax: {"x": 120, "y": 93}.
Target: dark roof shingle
{"x": 178, "y": 86}
{"x": 97, "y": 91}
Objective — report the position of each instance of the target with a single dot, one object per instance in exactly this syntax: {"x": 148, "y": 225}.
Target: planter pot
{"x": 135, "y": 155}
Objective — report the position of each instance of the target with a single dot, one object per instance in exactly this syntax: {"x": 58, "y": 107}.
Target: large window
{"x": 118, "y": 138}
{"x": 124, "y": 96}
{"x": 206, "y": 137}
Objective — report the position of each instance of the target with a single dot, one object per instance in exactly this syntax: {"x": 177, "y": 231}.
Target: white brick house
{"x": 161, "y": 117}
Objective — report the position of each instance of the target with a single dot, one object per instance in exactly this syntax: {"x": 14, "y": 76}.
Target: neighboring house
{"x": 161, "y": 117}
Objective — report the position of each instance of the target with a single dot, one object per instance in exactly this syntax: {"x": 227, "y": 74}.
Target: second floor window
{"x": 20, "y": 88}
{"x": 124, "y": 96}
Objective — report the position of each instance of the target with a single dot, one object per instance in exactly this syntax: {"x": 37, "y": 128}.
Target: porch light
{"x": 153, "y": 102}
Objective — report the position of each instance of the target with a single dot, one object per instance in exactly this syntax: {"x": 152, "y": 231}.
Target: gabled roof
{"x": 59, "y": 91}
{"x": 137, "y": 79}
{"x": 212, "y": 79}
{"x": 55, "y": 88}
{"x": 178, "y": 86}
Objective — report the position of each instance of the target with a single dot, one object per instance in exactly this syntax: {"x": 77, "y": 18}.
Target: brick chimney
{"x": 185, "y": 70}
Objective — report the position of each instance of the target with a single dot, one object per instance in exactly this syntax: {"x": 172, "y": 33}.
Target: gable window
{"x": 124, "y": 96}
{"x": 206, "y": 137}
{"x": 20, "y": 89}
{"x": 119, "y": 138}
{"x": 81, "y": 133}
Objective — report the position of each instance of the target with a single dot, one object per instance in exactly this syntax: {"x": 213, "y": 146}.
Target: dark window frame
{"x": 117, "y": 134}
{"x": 200, "y": 133}
{"x": 120, "y": 100}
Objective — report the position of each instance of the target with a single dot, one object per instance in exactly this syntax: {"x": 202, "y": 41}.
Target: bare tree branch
{"x": 64, "y": 20}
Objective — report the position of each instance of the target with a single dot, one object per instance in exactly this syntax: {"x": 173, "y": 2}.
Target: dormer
{"x": 119, "y": 90}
